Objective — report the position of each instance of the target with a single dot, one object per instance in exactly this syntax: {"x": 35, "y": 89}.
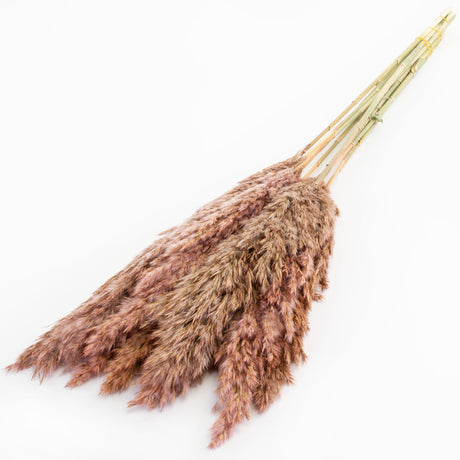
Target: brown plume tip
{"x": 229, "y": 290}
{"x": 94, "y": 329}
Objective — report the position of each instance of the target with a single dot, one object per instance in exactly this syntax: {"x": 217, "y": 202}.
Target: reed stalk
{"x": 385, "y": 93}
{"x": 334, "y": 129}
{"x": 331, "y": 127}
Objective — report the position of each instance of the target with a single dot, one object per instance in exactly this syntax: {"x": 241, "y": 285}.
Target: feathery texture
{"x": 229, "y": 289}
{"x": 178, "y": 260}
{"x": 257, "y": 351}
{"x": 148, "y": 275}
{"x": 266, "y": 276}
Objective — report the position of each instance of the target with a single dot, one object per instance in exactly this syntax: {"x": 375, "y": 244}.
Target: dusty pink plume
{"x": 164, "y": 272}
{"x": 148, "y": 275}
{"x": 244, "y": 309}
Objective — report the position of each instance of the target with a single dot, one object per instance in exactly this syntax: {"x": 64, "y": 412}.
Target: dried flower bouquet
{"x": 230, "y": 288}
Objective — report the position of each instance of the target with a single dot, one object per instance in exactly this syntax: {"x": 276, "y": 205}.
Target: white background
{"x": 119, "y": 118}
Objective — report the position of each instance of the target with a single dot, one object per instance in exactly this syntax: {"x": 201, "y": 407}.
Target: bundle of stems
{"x": 231, "y": 287}
{"x": 334, "y": 146}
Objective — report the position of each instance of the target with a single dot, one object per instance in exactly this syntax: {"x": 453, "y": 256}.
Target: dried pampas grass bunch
{"x": 115, "y": 307}
{"x": 229, "y": 289}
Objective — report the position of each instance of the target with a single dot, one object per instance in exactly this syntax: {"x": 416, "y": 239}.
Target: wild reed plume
{"x": 150, "y": 274}
{"x": 230, "y": 289}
